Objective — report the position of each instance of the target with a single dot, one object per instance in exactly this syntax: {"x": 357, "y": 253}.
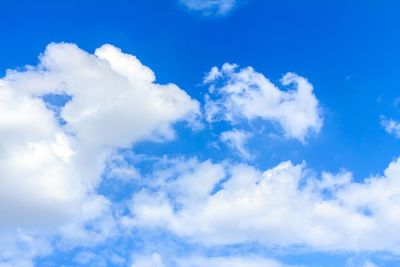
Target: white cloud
{"x": 283, "y": 207}
{"x": 114, "y": 98}
{"x": 50, "y": 171}
{"x": 236, "y": 140}
{"x": 246, "y": 94}
{"x": 210, "y": 7}
{"x": 360, "y": 263}
{"x": 228, "y": 262}
{"x": 153, "y": 261}
{"x": 87, "y": 257}
{"x": 391, "y": 126}
{"x": 119, "y": 168}
{"x": 100, "y": 258}
{"x": 202, "y": 261}
{"x": 369, "y": 264}
{"x": 19, "y": 247}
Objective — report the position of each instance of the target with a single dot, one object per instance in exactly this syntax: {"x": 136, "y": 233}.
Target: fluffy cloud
{"x": 222, "y": 204}
{"x": 246, "y": 94}
{"x": 114, "y": 98}
{"x": 52, "y": 157}
{"x": 210, "y": 7}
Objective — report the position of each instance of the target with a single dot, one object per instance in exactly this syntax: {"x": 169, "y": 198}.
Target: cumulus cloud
{"x": 210, "y": 7}
{"x": 111, "y": 93}
{"x": 50, "y": 170}
{"x": 237, "y": 94}
{"x": 391, "y": 126}
{"x": 282, "y": 207}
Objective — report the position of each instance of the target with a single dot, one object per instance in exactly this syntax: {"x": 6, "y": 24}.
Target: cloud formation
{"x": 53, "y": 156}
{"x": 391, "y": 126}
{"x": 236, "y": 140}
{"x": 155, "y": 260}
{"x": 52, "y": 159}
{"x": 237, "y": 94}
{"x": 227, "y": 204}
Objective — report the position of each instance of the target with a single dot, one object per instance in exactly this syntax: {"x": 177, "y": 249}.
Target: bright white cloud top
{"x": 50, "y": 171}
{"x": 226, "y": 204}
{"x": 247, "y": 94}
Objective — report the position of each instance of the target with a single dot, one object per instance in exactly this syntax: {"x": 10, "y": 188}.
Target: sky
{"x": 199, "y": 133}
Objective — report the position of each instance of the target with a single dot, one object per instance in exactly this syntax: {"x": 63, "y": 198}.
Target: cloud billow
{"x": 50, "y": 171}
{"x": 281, "y": 207}
{"x": 237, "y": 94}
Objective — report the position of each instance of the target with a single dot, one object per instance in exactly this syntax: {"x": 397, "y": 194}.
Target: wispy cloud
{"x": 210, "y": 7}
{"x": 202, "y": 261}
{"x": 236, "y": 140}
{"x": 391, "y": 126}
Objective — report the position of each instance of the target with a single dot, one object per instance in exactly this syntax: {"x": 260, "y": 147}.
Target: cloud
{"x": 246, "y": 94}
{"x": 391, "y": 126}
{"x": 227, "y": 204}
{"x": 360, "y": 263}
{"x": 85, "y": 258}
{"x": 369, "y": 264}
{"x": 229, "y": 261}
{"x": 202, "y": 261}
{"x": 17, "y": 249}
{"x": 153, "y": 261}
{"x": 110, "y": 93}
{"x": 52, "y": 159}
{"x": 236, "y": 140}
{"x": 210, "y": 7}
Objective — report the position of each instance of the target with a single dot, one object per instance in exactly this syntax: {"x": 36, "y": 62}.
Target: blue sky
{"x": 199, "y": 133}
